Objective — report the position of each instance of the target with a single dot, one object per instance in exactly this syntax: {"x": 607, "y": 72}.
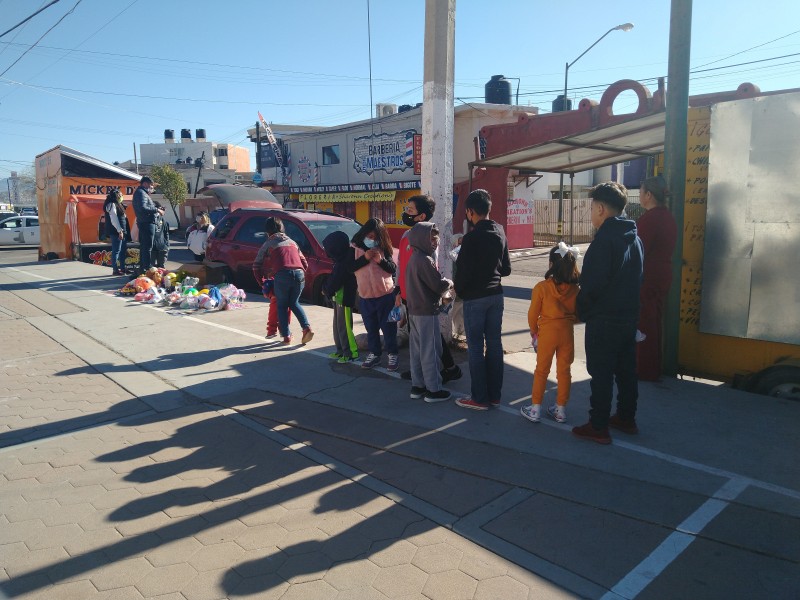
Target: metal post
{"x": 560, "y": 231}
{"x": 258, "y": 147}
{"x": 572, "y": 209}
{"x": 135, "y": 159}
{"x": 677, "y": 113}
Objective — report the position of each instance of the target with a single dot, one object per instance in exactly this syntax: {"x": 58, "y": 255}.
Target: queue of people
{"x": 619, "y": 294}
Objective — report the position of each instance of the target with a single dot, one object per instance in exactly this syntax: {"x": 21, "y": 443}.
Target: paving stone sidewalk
{"x": 103, "y": 497}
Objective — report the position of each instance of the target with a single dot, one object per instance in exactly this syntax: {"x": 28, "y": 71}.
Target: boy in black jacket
{"x": 609, "y": 305}
{"x": 340, "y": 287}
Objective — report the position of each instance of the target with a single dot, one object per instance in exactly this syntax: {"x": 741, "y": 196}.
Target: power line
{"x": 41, "y": 38}
{"x": 26, "y": 19}
{"x": 748, "y": 50}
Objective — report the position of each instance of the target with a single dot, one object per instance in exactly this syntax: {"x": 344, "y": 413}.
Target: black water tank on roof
{"x": 169, "y": 134}
{"x": 186, "y": 134}
{"x": 558, "y": 104}
{"x": 200, "y": 134}
{"x": 404, "y": 108}
{"x": 498, "y": 90}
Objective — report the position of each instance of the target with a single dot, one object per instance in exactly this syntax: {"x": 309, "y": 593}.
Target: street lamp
{"x": 623, "y": 27}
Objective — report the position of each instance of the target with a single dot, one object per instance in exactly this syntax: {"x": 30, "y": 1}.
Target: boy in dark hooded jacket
{"x": 424, "y": 286}
{"x": 340, "y": 287}
{"x": 608, "y": 303}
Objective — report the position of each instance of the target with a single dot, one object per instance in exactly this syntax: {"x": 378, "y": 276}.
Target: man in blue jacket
{"x": 608, "y": 303}
{"x": 146, "y": 212}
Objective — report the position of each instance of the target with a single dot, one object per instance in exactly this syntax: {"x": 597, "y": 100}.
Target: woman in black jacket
{"x": 117, "y": 230}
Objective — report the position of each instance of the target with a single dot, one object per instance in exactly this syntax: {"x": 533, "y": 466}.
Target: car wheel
{"x": 781, "y": 382}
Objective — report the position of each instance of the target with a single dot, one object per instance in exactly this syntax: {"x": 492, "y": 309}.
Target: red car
{"x": 238, "y": 236}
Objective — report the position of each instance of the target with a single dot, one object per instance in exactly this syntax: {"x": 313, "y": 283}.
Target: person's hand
{"x": 121, "y": 235}
{"x": 398, "y": 301}
{"x": 535, "y": 342}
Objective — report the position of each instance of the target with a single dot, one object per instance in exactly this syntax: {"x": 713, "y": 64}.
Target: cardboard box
{"x": 209, "y": 273}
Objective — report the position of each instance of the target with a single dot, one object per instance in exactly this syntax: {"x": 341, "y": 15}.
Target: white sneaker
{"x": 532, "y": 412}
{"x": 558, "y": 413}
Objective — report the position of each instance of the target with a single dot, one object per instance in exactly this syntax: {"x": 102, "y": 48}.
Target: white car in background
{"x": 19, "y": 230}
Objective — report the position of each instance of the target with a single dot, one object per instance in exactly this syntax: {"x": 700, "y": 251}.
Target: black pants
{"x": 610, "y": 356}
{"x": 447, "y": 356}
{"x": 146, "y": 233}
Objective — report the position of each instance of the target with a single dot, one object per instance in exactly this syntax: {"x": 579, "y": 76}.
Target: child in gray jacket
{"x": 424, "y": 289}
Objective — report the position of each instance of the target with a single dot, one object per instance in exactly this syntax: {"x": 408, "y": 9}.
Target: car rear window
{"x": 224, "y": 229}
{"x": 321, "y": 229}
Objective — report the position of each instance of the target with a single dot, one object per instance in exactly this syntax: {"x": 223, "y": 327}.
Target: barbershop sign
{"x": 388, "y": 152}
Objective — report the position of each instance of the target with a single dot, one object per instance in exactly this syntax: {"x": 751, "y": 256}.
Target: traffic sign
{"x": 257, "y": 178}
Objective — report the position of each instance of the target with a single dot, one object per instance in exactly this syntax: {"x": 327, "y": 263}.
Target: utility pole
{"x": 677, "y": 114}
{"x": 438, "y": 126}
{"x": 200, "y": 162}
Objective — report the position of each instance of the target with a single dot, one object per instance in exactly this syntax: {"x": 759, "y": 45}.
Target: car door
{"x": 11, "y": 231}
{"x": 296, "y": 233}
{"x": 31, "y": 230}
{"x": 242, "y": 250}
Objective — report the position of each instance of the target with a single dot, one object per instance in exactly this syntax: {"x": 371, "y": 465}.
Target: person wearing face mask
{"x": 482, "y": 261}
{"x": 420, "y": 209}
{"x": 374, "y": 269}
{"x": 198, "y": 236}
{"x": 146, "y": 212}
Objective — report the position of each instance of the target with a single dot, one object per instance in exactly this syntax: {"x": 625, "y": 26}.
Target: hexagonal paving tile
{"x": 166, "y": 580}
{"x": 400, "y": 580}
{"x": 305, "y": 567}
{"x": 352, "y": 575}
{"x": 174, "y": 552}
{"x": 312, "y": 590}
{"x": 121, "y": 574}
{"x": 501, "y": 587}
{"x": 437, "y": 558}
{"x": 217, "y": 556}
{"x": 261, "y": 536}
{"x": 450, "y": 584}
{"x": 389, "y": 553}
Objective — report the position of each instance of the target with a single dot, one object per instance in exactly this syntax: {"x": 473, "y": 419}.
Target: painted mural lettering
{"x": 386, "y": 152}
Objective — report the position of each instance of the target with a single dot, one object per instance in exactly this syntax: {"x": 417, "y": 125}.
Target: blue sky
{"x": 118, "y": 72}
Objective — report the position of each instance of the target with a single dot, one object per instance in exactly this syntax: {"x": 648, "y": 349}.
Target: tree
{"x": 171, "y": 185}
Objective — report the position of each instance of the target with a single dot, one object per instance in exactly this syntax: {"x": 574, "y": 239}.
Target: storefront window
{"x": 346, "y": 209}
{"x": 385, "y": 211}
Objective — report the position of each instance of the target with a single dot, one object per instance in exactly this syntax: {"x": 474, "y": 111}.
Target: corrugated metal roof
{"x": 588, "y": 150}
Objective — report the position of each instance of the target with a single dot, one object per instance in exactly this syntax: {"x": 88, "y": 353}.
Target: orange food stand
{"x": 70, "y": 190}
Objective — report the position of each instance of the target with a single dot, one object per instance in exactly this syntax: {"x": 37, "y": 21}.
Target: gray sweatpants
{"x": 425, "y": 350}
{"x": 343, "y": 336}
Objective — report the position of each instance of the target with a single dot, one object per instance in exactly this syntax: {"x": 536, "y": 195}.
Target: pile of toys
{"x": 158, "y": 286}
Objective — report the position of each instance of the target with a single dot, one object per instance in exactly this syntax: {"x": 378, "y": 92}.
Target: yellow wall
{"x": 705, "y": 354}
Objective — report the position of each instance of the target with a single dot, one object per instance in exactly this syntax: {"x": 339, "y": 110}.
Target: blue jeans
{"x": 611, "y": 355}
{"x": 375, "y": 314}
{"x": 119, "y": 252}
{"x": 288, "y": 285}
{"x": 147, "y": 232}
{"x": 483, "y": 321}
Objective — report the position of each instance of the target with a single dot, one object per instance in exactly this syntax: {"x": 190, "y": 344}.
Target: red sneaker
{"x": 628, "y": 427}
{"x": 587, "y": 432}
{"x": 470, "y": 403}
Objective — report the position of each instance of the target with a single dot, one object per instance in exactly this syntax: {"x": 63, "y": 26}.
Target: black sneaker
{"x": 451, "y": 374}
{"x": 418, "y": 392}
{"x": 440, "y": 396}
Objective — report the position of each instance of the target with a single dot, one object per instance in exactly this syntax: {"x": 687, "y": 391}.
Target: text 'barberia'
{"x": 100, "y": 190}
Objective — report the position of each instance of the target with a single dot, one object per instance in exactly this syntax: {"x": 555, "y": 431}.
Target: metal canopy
{"x": 588, "y": 150}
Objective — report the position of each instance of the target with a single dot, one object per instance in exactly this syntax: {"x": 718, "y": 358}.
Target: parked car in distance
{"x": 238, "y": 236}
{"x": 19, "y": 230}
{"x": 29, "y": 210}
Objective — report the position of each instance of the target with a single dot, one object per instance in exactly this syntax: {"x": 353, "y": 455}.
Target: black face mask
{"x": 408, "y": 220}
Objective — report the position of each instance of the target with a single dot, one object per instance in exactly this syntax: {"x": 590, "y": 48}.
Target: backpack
{"x": 102, "y": 235}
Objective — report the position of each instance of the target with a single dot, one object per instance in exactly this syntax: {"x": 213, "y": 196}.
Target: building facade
{"x": 370, "y": 168}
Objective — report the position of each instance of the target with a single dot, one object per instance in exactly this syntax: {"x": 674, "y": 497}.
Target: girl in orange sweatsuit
{"x": 551, "y": 317}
